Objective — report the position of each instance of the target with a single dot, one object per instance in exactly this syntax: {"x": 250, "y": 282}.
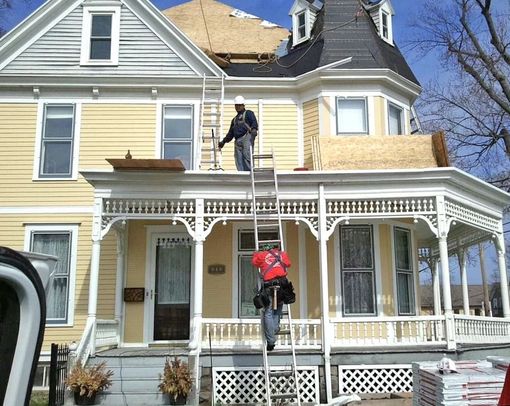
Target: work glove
{"x": 221, "y": 144}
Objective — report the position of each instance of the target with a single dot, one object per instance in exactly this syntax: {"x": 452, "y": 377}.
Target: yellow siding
{"x": 107, "y": 277}
{"x": 387, "y": 274}
{"x": 326, "y": 112}
{"x": 311, "y": 129}
{"x": 218, "y": 288}
{"x": 12, "y": 234}
{"x": 135, "y": 278}
{"x": 280, "y": 134}
{"x": 109, "y": 130}
{"x": 380, "y": 117}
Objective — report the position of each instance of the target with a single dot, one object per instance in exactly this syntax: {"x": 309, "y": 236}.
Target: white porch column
{"x": 461, "y": 256}
{"x": 198, "y": 288}
{"x": 436, "y": 289}
{"x": 94, "y": 272}
{"x": 442, "y": 226}
{"x": 323, "y": 260}
{"x": 119, "y": 281}
{"x": 503, "y": 278}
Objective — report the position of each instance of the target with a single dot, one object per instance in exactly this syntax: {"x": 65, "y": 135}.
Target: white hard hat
{"x": 239, "y": 100}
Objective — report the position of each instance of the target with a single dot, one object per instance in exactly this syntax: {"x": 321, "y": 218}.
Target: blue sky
{"x": 272, "y": 10}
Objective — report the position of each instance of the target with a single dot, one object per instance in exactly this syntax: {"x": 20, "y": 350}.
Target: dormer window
{"x": 301, "y": 31}
{"x": 100, "y": 36}
{"x": 301, "y": 25}
{"x": 385, "y": 31}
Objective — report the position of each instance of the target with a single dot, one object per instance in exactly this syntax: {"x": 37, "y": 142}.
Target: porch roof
{"x": 339, "y": 184}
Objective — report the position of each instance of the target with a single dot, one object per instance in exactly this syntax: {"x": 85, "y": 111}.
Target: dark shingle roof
{"x": 342, "y": 29}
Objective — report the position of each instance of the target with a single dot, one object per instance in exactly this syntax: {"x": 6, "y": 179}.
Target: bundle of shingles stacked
{"x": 475, "y": 383}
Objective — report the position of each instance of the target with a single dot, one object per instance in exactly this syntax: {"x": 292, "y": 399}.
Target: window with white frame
{"x": 177, "y": 137}
{"x": 404, "y": 271}
{"x": 357, "y": 270}
{"x": 57, "y": 241}
{"x": 248, "y": 275}
{"x": 100, "y": 36}
{"x": 301, "y": 26}
{"x": 57, "y": 141}
{"x": 351, "y": 115}
{"x": 395, "y": 119}
{"x": 385, "y": 21}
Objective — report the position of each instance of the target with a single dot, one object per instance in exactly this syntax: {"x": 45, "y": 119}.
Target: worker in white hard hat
{"x": 243, "y": 129}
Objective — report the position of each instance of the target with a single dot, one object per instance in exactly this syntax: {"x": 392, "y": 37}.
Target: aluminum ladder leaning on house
{"x": 266, "y": 218}
{"x": 211, "y": 121}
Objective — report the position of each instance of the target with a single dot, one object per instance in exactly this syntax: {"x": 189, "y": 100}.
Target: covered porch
{"x": 445, "y": 209}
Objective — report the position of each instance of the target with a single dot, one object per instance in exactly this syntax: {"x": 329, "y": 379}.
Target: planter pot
{"x": 84, "y": 400}
{"x": 181, "y": 400}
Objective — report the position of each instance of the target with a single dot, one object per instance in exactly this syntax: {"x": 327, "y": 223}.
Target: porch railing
{"x": 481, "y": 330}
{"x": 107, "y": 333}
{"x": 246, "y": 333}
{"x": 388, "y": 331}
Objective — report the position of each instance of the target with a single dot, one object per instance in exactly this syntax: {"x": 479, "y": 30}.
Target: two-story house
{"x": 155, "y": 250}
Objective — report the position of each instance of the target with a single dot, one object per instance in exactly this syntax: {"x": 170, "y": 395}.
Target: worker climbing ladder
{"x": 267, "y": 218}
{"x": 211, "y": 120}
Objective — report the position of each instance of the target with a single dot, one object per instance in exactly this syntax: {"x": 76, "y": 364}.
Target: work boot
{"x": 270, "y": 347}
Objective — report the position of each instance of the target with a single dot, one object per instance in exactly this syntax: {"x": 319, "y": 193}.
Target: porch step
{"x": 131, "y": 399}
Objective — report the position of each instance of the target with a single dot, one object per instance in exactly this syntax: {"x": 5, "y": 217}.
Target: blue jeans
{"x": 242, "y": 152}
{"x": 271, "y": 319}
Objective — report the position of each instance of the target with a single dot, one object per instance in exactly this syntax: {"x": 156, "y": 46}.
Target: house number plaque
{"x": 134, "y": 294}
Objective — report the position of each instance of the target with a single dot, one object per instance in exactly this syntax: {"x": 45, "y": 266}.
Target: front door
{"x": 172, "y": 288}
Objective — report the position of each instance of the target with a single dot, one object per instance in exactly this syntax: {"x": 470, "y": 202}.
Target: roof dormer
{"x": 382, "y": 14}
{"x": 303, "y": 13}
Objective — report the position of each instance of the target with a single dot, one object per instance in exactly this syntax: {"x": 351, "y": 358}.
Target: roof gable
{"x": 149, "y": 44}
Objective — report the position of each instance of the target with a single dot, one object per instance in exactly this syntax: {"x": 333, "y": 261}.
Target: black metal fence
{"x": 58, "y": 374}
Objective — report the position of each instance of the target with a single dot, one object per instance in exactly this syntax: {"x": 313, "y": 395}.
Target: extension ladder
{"x": 211, "y": 120}
{"x": 266, "y": 219}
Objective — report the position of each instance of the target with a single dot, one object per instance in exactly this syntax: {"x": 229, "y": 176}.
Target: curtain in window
{"x": 351, "y": 116}
{"x": 173, "y": 274}
{"x": 248, "y": 277}
{"x": 358, "y": 293}
{"x": 59, "y": 246}
{"x": 356, "y": 248}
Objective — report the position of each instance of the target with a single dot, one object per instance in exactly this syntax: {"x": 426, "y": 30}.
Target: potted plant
{"x": 86, "y": 382}
{"x": 176, "y": 381}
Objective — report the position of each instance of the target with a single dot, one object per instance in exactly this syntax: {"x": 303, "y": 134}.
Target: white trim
{"x": 386, "y": 11}
{"x": 416, "y": 271}
{"x": 295, "y": 26}
{"x": 412, "y": 248}
{"x": 47, "y": 210}
{"x": 369, "y": 112}
{"x": 303, "y": 286}
{"x": 73, "y": 229}
{"x": 88, "y": 13}
{"x": 261, "y": 129}
{"x": 389, "y": 104}
{"x": 159, "y": 130}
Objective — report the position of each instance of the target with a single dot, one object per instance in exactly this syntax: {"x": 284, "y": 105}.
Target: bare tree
{"x": 471, "y": 99}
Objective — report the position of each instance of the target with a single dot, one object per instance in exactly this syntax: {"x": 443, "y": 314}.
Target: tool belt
{"x": 281, "y": 281}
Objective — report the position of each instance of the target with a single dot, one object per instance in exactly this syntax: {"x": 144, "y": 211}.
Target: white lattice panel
{"x": 375, "y": 379}
{"x": 247, "y": 385}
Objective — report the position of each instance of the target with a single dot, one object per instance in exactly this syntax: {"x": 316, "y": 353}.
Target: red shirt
{"x": 263, "y": 260}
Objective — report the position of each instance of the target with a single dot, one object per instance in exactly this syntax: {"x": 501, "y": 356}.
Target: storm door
{"x": 172, "y": 289}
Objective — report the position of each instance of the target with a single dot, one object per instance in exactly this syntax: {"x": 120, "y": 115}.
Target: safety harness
{"x": 277, "y": 260}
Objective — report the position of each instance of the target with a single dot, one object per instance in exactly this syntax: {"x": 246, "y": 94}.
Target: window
{"x": 57, "y": 244}
{"x": 395, "y": 120}
{"x": 248, "y": 274}
{"x": 404, "y": 271}
{"x": 301, "y": 25}
{"x": 100, "y": 36}
{"x": 351, "y": 115}
{"x": 357, "y": 270}
{"x": 57, "y": 141}
{"x": 385, "y": 31}
{"x": 178, "y": 134}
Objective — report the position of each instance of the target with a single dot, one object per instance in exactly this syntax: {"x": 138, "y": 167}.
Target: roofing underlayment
{"x": 228, "y": 30}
